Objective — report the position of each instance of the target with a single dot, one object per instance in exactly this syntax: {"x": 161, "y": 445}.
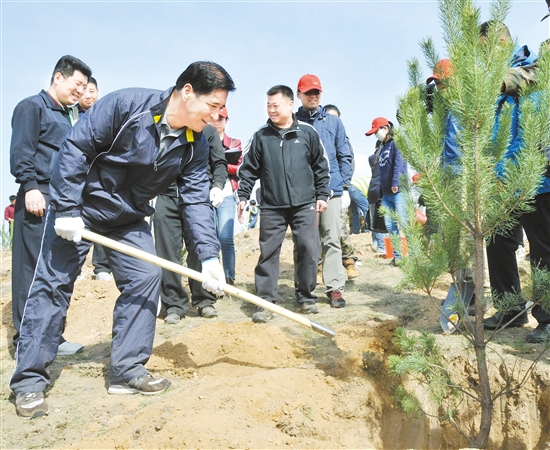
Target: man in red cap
{"x": 333, "y": 136}
{"x": 442, "y": 70}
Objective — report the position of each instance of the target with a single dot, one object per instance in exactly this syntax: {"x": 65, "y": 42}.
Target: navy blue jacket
{"x": 334, "y": 139}
{"x": 109, "y": 169}
{"x": 39, "y": 125}
{"x": 392, "y": 166}
{"x": 292, "y": 167}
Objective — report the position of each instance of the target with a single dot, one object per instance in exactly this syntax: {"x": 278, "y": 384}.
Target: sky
{"x": 358, "y": 49}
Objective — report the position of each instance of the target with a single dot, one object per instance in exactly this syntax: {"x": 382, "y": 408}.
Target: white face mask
{"x": 381, "y": 134}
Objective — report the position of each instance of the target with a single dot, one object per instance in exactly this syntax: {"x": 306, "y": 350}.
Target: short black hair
{"x": 281, "y": 89}
{"x": 93, "y": 81}
{"x": 252, "y": 202}
{"x": 484, "y": 28}
{"x": 205, "y": 77}
{"x": 67, "y": 65}
{"x": 12, "y": 198}
{"x": 333, "y": 108}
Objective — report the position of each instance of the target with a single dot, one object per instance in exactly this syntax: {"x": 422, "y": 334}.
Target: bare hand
{"x": 240, "y": 211}
{"x": 321, "y": 206}
{"x": 395, "y": 189}
{"x": 35, "y": 203}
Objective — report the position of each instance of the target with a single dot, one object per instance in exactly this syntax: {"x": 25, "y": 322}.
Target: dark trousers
{"x": 27, "y": 237}
{"x": 99, "y": 260}
{"x": 169, "y": 239}
{"x": 501, "y": 251}
{"x": 134, "y": 314}
{"x": 273, "y": 226}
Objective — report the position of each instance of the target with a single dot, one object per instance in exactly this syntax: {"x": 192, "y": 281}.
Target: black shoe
{"x": 208, "y": 312}
{"x": 393, "y": 262}
{"x": 499, "y": 320}
{"x": 336, "y": 299}
{"x": 539, "y": 334}
{"x": 262, "y": 315}
{"x": 31, "y": 405}
{"x": 309, "y": 308}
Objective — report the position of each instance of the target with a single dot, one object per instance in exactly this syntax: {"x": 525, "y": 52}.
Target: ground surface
{"x": 280, "y": 385}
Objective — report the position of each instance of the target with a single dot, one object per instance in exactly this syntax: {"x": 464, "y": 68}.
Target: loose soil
{"x": 236, "y": 384}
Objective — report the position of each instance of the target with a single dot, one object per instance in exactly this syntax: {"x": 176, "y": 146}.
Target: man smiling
{"x": 39, "y": 126}
{"x": 114, "y": 161}
{"x": 288, "y": 158}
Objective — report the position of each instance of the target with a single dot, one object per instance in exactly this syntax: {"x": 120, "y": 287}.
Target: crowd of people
{"x": 107, "y": 164}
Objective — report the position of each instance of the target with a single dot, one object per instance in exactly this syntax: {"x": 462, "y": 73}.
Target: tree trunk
{"x": 482, "y": 437}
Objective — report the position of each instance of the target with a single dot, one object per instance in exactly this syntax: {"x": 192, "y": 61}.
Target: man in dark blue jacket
{"x": 333, "y": 136}
{"x": 39, "y": 126}
{"x": 126, "y": 150}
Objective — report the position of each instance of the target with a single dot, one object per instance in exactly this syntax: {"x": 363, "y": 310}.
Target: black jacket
{"x": 292, "y": 166}
{"x": 375, "y": 186}
{"x": 39, "y": 126}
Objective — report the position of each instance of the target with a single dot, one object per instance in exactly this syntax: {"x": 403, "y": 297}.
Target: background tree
{"x": 471, "y": 202}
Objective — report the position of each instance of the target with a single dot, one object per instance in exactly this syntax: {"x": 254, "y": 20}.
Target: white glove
{"x": 69, "y": 228}
{"x": 346, "y": 201}
{"x": 215, "y": 281}
{"x": 216, "y": 197}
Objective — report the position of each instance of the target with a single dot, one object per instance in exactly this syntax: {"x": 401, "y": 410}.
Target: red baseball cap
{"x": 224, "y": 113}
{"x": 442, "y": 70}
{"x": 309, "y": 82}
{"x": 376, "y": 124}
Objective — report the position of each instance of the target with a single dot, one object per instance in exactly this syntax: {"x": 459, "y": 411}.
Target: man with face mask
{"x": 392, "y": 168}
{"x": 333, "y": 137}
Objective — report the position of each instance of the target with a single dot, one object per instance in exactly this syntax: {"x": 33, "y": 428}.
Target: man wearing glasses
{"x": 39, "y": 126}
{"x": 333, "y": 136}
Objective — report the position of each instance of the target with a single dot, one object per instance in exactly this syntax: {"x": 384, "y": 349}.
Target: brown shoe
{"x": 349, "y": 264}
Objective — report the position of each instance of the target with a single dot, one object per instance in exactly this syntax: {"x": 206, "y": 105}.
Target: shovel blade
{"x": 450, "y": 300}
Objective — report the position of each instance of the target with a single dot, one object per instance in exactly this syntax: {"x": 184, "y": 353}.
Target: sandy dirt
{"x": 236, "y": 384}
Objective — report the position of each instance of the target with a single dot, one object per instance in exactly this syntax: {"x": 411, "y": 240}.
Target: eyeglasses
{"x": 81, "y": 87}
{"x": 312, "y": 92}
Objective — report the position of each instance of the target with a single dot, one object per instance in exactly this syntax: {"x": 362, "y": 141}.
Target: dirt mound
{"x": 219, "y": 349}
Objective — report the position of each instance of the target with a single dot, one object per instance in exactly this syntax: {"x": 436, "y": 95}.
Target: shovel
{"x": 232, "y": 290}
{"x": 449, "y": 318}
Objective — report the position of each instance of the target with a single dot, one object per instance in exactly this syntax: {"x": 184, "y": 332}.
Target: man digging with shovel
{"x": 128, "y": 148}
